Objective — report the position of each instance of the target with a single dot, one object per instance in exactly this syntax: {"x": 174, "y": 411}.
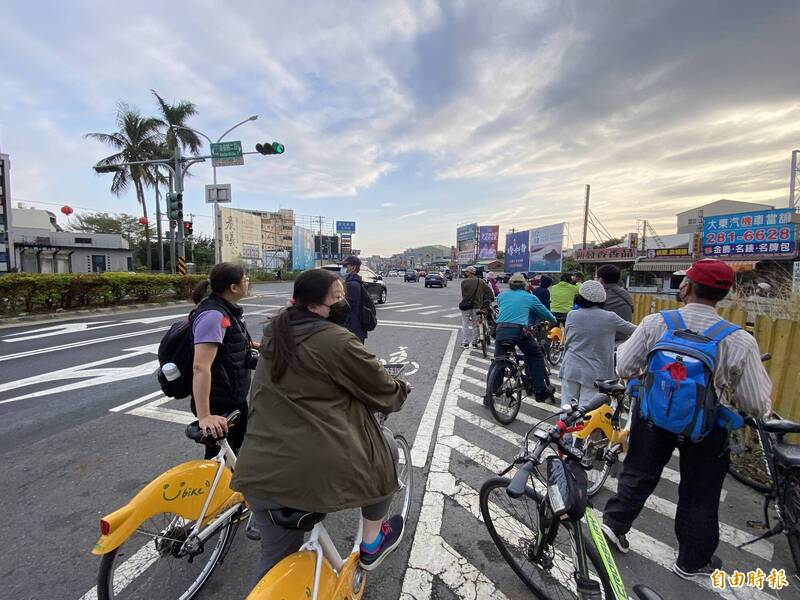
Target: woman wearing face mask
{"x": 312, "y": 442}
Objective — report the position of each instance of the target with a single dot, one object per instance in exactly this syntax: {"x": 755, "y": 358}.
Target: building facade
{"x": 7, "y": 257}
{"x": 690, "y": 220}
{"x": 45, "y": 251}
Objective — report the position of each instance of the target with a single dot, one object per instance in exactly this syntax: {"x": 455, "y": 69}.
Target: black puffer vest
{"x": 230, "y": 378}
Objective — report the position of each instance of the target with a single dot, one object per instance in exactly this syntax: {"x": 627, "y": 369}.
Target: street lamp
{"x": 217, "y": 253}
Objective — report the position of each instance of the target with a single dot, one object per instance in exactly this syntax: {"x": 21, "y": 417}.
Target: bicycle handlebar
{"x": 516, "y": 488}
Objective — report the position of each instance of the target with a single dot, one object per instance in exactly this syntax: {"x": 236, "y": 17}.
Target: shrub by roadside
{"x": 34, "y": 292}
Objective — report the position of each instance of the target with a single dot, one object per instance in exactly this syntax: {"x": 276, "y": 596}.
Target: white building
{"x": 7, "y": 262}
{"x": 40, "y": 246}
{"x": 689, "y": 220}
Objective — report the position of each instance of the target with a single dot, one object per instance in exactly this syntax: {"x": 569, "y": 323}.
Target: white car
{"x": 392, "y": 273}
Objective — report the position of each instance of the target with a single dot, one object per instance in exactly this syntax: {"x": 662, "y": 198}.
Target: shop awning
{"x": 740, "y": 266}
{"x": 662, "y": 266}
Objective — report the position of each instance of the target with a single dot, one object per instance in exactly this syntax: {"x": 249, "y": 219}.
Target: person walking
{"x": 222, "y": 359}
{"x": 738, "y": 379}
{"x": 618, "y": 299}
{"x": 492, "y": 280}
{"x": 562, "y": 297}
{"x": 474, "y": 292}
{"x": 542, "y": 291}
{"x": 517, "y": 309}
{"x": 313, "y": 443}
{"x": 589, "y": 343}
{"x": 354, "y": 288}
{"x": 278, "y": 274}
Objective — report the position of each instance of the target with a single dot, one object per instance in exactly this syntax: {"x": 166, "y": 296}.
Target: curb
{"x": 71, "y": 314}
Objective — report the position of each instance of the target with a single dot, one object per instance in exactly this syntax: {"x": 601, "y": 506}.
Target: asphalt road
{"x": 83, "y": 428}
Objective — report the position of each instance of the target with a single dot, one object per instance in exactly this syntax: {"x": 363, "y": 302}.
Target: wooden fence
{"x": 779, "y": 337}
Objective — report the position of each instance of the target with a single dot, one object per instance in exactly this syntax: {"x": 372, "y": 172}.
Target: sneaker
{"x": 620, "y": 541}
{"x": 392, "y": 531}
{"x": 251, "y": 530}
{"x": 545, "y": 395}
{"x": 528, "y": 385}
{"x": 706, "y": 571}
{"x": 475, "y": 345}
{"x": 465, "y": 345}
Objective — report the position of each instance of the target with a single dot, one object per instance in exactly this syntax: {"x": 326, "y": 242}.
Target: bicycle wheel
{"x": 401, "y": 502}
{"x": 747, "y": 460}
{"x": 594, "y": 448}
{"x": 554, "y": 353}
{"x": 791, "y": 503}
{"x": 503, "y": 392}
{"x": 484, "y": 338}
{"x": 515, "y": 526}
{"x": 152, "y": 564}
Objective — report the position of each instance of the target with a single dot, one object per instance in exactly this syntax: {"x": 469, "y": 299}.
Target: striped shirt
{"x": 740, "y": 378}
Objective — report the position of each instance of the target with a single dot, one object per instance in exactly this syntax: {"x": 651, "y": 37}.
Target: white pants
{"x": 571, "y": 389}
{"x": 469, "y": 325}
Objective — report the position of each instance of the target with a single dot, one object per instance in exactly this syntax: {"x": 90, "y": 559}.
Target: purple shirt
{"x": 209, "y": 327}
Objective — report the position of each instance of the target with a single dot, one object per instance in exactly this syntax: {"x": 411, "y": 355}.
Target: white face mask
{"x": 343, "y": 270}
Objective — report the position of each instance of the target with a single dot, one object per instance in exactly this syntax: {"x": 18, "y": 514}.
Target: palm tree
{"x": 137, "y": 138}
{"x": 175, "y": 115}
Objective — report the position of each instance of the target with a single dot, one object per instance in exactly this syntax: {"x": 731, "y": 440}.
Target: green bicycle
{"x": 537, "y": 519}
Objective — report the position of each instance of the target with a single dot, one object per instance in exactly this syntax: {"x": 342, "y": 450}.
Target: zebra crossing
{"x": 471, "y": 447}
{"x": 445, "y": 312}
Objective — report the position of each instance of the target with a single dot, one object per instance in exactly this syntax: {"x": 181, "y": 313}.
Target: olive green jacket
{"x": 312, "y": 442}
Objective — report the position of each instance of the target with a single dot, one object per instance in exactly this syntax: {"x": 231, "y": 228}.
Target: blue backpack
{"x": 678, "y": 392}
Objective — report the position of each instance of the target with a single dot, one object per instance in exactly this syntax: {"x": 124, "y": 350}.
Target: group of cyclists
{"x": 311, "y": 443}
{"x": 602, "y": 343}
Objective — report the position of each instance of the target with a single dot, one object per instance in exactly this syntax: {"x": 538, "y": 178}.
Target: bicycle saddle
{"x": 609, "y": 386}
{"x": 781, "y": 426}
{"x": 291, "y": 518}
{"x": 194, "y": 433}
{"x": 787, "y": 454}
{"x": 645, "y": 593}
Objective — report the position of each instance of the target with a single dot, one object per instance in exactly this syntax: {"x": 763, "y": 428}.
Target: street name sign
{"x": 226, "y": 154}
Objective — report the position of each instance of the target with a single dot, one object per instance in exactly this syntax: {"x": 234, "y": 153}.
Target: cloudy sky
{"x": 412, "y": 117}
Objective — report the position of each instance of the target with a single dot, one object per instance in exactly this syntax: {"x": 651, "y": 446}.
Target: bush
{"x": 47, "y": 292}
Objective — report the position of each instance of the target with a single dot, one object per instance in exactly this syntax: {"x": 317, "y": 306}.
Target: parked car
{"x": 448, "y": 274}
{"x": 435, "y": 279}
{"x": 392, "y": 273}
{"x": 401, "y": 272}
{"x": 411, "y": 276}
{"x": 374, "y": 282}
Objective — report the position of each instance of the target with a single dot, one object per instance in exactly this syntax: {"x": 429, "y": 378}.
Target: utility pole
{"x": 180, "y": 264}
{"x": 585, "y": 216}
{"x": 191, "y": 240}
{"x": 793, "y": 188}
{"x": 158, "y": 227}
{"x": 644, "y": 235}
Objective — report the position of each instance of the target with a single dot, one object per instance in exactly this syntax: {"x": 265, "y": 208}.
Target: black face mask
{"x": 339, "y": 312}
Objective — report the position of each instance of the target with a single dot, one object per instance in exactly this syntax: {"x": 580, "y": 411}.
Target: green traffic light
{"x": 278, "y": 147}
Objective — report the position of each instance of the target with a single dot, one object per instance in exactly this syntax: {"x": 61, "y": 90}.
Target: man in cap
{"x": 474, "y": 292}
{"x": 353, "y": 289}
{"x": 739, "y": 379}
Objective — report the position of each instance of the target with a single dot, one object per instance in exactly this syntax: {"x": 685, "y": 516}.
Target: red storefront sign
{"x": 592, "y": 255}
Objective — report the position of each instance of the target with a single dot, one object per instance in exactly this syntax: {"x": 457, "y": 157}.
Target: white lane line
{"x": 404, "y": 305}
{"x": 432, "y": 312}
{"x": 155, "y": 410}
{"x": 418, "y": 308}
{"x": 136, "y": 401}
{"x": 422, "y": 440}
{"x": 452, "y": 315}
{"x": 129, "y": 570}
{"x": 109, "y": 338}
{"x": 413, "y": 323}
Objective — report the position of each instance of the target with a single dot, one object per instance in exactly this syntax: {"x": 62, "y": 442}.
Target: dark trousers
{"x": 561, "y": 318}
{"x": 507, "y": 334}
{"x": 703, "y": 466}
{"x": 235, "y": 432}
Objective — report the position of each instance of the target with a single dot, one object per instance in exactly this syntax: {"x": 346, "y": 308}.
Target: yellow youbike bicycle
{"x": 317, "y": 571}
{"x": 167, "y": 540}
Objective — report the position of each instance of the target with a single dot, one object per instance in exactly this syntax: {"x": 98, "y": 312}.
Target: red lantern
{"x": 144, "y": 221}
{"x": 67, "y": 210}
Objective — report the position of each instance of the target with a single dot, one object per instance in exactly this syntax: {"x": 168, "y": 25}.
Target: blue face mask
{"x": 343, "y": 271}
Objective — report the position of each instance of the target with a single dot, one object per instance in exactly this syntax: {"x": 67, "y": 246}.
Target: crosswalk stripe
{"x": 452, "y": 316}
{"x": 403, "y": 305}
{"x": 432, "y": 312}
{"x": 416, "y": 308}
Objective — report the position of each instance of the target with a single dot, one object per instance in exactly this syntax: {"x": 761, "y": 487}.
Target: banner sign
{"x": 345, "y": 226}
{"x": 487, "y": 241}
{"x": 467, "y": 232}
{"x": 347, "y": 243}
{"x": 606, "y": 255}
{"x": 668, "y": 252}
{"x": 545, "y": 248}
{"x": 765, "y": 232}
{"x": 302, "y": 249}
{"x": 516, "y": 252}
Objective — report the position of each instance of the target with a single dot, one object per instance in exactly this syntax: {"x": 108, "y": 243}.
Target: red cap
{"x": 713, "y": 273}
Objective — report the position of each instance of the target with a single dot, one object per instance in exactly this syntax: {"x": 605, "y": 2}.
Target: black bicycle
{"x": 506, "y": 383}
{"x": 537, "y": 519}
{"x": 782, "y": 462}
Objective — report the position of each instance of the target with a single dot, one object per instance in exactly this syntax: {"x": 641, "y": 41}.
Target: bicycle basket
{"x": 566, "y": 488}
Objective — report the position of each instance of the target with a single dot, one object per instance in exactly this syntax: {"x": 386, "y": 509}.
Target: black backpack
{"x": 369, "y": 315}
{"x": 177, "y": 346}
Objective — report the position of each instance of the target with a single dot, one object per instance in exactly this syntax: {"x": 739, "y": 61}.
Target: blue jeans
{"x": 508, "y": 333}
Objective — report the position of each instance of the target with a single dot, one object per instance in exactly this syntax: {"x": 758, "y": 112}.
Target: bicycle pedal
{"x": 756, "y": 524}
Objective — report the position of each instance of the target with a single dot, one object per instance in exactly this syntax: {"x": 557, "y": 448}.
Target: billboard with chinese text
{"x": 487, "y": 241}
{"x": 516, "y": 251}
{"x": 241, "y": 236}
{"x": 302, "y": 248}
{"x": 765, "y": 233}
{"x": 467, "y": 243}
